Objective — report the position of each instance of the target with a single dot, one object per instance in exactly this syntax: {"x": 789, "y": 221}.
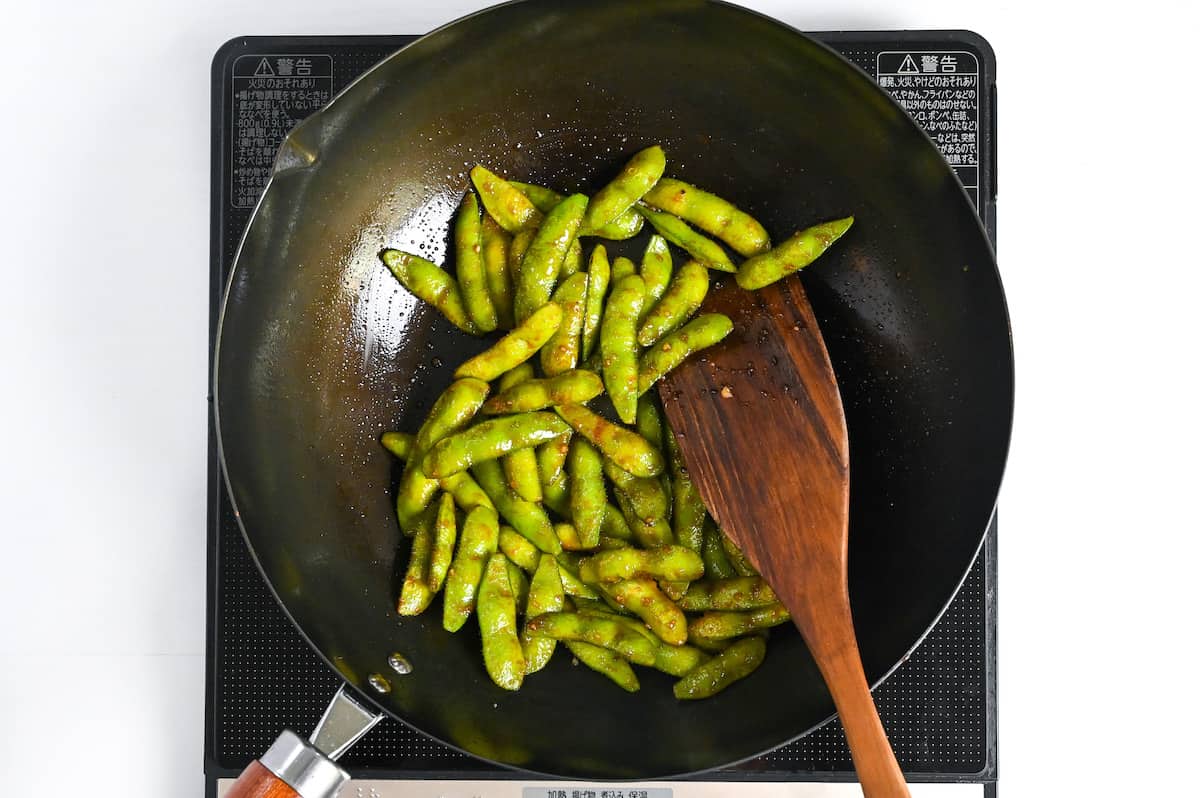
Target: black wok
{"x": 320, "y": 349}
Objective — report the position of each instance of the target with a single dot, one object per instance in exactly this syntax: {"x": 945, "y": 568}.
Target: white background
{"x": 103, "y": 328}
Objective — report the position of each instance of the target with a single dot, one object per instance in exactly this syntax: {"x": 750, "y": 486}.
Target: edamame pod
{"x": 552, "y": 459}
{"x": 650, "y": 421}
{"x": 597, "y": 630}
{"x": 491, "y": 439}
{"x": 511, "y": 209}
{"x": 457, "y": 405}
{"x": 739, "y": 593}
{"x": 722, "y": 625}
{"x": 445, "y": 533}
{"x": 676, "y": 231}
{"x": 673, "y": 563}
{"x": 516, "y": 347}
{"x": 557, "y": 495}
{"x": 656, "y": 272}
{"x": 520, "y": 466}
{"x": 518, "y": 549}
{"x": 792, "y": 255}
{"x": 543, "y": 260}
{"x": 478, "y": 541}
{"x": 710, "y": 213}
{"x": 545, "y": 595}
{"x": 699, "y": 333}
{"x": 572, "y": 261}
{"x": 576, "y": 386}
{"x": 561, "y": 352}
{"x": 614, "y": 524}
{"x": 740, "y": 562}
{"x": 645, "y": 494}
{"x": 688, "y": 512}
{"x": 516, "y": 255}
{"x": 682, "y": 299}
{"x": 643, "y": 598}
{"x": 502, "y": 655}
{"x": 572, "y": 586}
{"x": 618, "y": 345}
{"x": 636, "y": 178}
{"x": 527, "y": 518}
{"x": 607, "y": 663}
{"x": 647, "y": 532}
{"x": 679, "y": 660}
{"x": 495, "y": 244}
{"x": 569, "y": 537}
{"x": 415, "y": 593}
{"x": 398, "y": 443}
{"x": 622, "y": 268}
{"x": 431, "y": 283}
{"x": 598, "y": 277}
{"x": 468, "y": 265}
{"x": 716, "y": 563}
{"x": 589, "y": 499}
{"x": 466, "y": 491}
{"x": 627, "y": 225}
{"x": 734, "y": 663}
{"x": 627, "y": 449}
{"x": 520, "y": 586}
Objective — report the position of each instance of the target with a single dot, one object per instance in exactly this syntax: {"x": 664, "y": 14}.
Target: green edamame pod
{"x": 527, "y": 518}
{"x": 627, "y": 225}
{"x": 792, "y": 255}
{"x": 543, "y": 260}
{"x": 722, "y": 625}
{"x": 572, "y": 261}
{"x": 710, "y": 213}
{"x": 607, "y": 663}
{"x": 707, "y": 645}
{"x": 516, "y": 255}
{"x": 650, "y": 421}
{"x": 588, "y": 496}
{"x": 468, "y": 265}
{"x": 673, "y": 563}
{"x": 398, "y": 443}
{"x": 561, "y": 352}
{"x": 518, "y": 549}
{"x": 465, "y": 491}
{"x": 511, "y": 209}
{"x": 734, "y": 663}
{"x": 495, "y": 244}
{"x": 516, "y": 347}
{"x": 627, "y": 449}
{"x": 716, "y": 563}
{"x": 643, "y": 598}
{"x": 568, "y": 572}
{"x": 739, "y": 593}
{"x": 576, "y": 386}
{"x": 594, "y": 629}
{"x": 647, "y": 532}
{"x": 502, "y": 655}
{"x": 676, "y": 231}
{"x": 656, "y": 272}
{"x": 520, "y": 586}
{"x": 491, "y": 439}
{"x": 645, "y": 494}
{"x": 431, "y": 283}
{"x": 552, "y": 459}
{"x": 673, "y": 590}
{"x": 614, "y": 524}
{"x": 515, "y": 376}
{"x": 457, "y": 405}
{"x": 478, "y": 541}
{"x": 569, "y": 537}
{"x": 545, "y": 595}
{"x": 740, "y": 562}
{"x": 608, "y": 544}
{"x": 445, "y": 533}
{"x": 636, "y": 178}
{"x": 679, "y": 660}
{"x": 618, "y": 345}
{"x": 688, "y": 511}
{"x": 682, "y": 299}
{"x": 593, "y": 309}
{"x": 621, "y": 268}
{"x": 699, "y": 333}
{"x": 415, "y": 593}
{"x": 520, "y": 466}
{"x": 557, "y": 495}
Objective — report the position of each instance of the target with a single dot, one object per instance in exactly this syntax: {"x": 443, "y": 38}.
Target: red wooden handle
{"x": 258, "y": 782}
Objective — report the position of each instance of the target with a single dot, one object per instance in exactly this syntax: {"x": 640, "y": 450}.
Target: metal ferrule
{"x": 303, "y": 768}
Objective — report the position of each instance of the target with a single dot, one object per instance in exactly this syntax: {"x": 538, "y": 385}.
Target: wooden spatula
{"x": 760, "y": 425}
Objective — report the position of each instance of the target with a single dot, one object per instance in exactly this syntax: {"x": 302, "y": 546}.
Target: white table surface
{"x": 103, "y": 324}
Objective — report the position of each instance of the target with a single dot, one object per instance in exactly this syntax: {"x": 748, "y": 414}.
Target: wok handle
{"x": 831, "y": 639}
{"x": 291, "y": 768}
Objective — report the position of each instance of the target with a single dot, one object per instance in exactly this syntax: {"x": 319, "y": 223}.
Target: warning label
{"x": 940, "y": 90}
{"x": 271, "y": 95}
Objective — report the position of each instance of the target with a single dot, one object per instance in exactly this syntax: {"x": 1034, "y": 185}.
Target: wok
{"x": 320, "y": 349}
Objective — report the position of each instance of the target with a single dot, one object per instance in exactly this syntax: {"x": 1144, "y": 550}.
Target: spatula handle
{"x": 841, "y": 665}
